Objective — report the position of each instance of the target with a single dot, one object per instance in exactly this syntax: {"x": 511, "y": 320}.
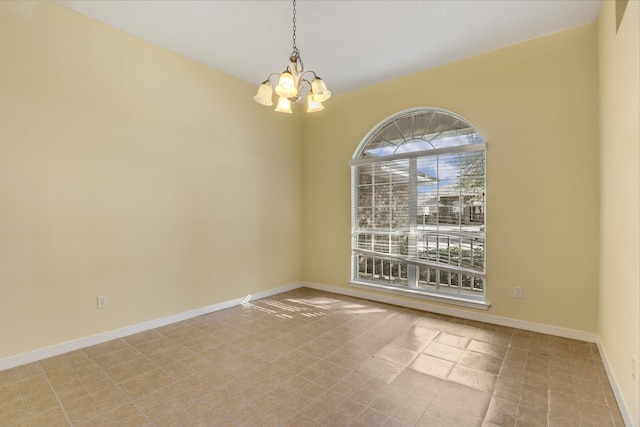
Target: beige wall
{"x": 130, "y": 171}
{"x": 619, "y": 324}
{"x": 536, "y": 103}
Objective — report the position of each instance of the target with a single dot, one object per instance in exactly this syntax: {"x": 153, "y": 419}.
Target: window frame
{"x": 411, "y": 262}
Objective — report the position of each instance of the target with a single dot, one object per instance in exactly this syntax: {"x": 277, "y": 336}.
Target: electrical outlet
{"x": 517, "y": 292}
{"x": 314, "y": 265}
{"x": 102, "y": 302}
{"x": 633, "y": 368}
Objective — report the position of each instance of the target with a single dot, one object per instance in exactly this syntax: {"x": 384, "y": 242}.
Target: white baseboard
{"x": 455, "y": 312}
{"x": 626, "y": 416}
{"x": 66, "y": 347}
{"x": 55, "y": 350}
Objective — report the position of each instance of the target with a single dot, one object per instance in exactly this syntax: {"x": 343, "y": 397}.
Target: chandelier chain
{"x": 295, "y": 48}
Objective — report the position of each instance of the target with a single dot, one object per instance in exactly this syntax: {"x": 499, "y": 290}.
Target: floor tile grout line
{"x": 549, "y": 401}
{"x": 55, "y": 394}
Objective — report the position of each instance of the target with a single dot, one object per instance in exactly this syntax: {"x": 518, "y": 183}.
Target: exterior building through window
{"x": 418, "y": 207}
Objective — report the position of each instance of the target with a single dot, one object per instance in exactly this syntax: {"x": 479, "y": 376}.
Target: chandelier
{"x": 290, "y": 83}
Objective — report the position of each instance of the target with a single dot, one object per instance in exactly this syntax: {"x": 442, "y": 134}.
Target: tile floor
{"x": 309, "y": 358}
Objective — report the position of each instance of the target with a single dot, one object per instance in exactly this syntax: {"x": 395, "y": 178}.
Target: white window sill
{"x": 417, "y": 293}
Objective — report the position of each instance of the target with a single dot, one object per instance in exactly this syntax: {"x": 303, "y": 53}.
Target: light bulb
{"x": 286, "y": 85}
{"x": 284, "y": 105}
{"x": 320, "y": 91}
{"x": 312, "y": 105}
{"x": 265, "y": 92}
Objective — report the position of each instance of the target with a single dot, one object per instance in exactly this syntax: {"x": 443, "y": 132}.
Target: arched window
{"x": 418, "y": 207}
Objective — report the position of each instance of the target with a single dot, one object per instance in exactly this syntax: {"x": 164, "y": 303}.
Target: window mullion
{"x": 460, "y": 214}
{"x": 412, "y": 270}
{"x": 437, "y": 231}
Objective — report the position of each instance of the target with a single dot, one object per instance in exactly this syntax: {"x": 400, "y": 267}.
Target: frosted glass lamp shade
{"x": 312, "y": 105}
{"x": 264, "y": 94}
{"x": 287, "y": 86}
{"x": 284, "y": 105}
{"x": 320, "y": 91}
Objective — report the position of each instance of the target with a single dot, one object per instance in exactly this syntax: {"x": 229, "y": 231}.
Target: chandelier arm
{"x": 268, "y": 79}
{"x": 302, "y": 80}
{"x": 304, "y": 73}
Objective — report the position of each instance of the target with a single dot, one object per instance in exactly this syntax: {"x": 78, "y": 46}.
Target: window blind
{"x": 418, "y": 218}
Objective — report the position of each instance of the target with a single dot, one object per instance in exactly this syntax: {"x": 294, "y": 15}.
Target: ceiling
{"x": 350, "y": 44}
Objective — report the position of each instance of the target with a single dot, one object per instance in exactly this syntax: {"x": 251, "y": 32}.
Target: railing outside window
{"x": 418, "y": 206}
